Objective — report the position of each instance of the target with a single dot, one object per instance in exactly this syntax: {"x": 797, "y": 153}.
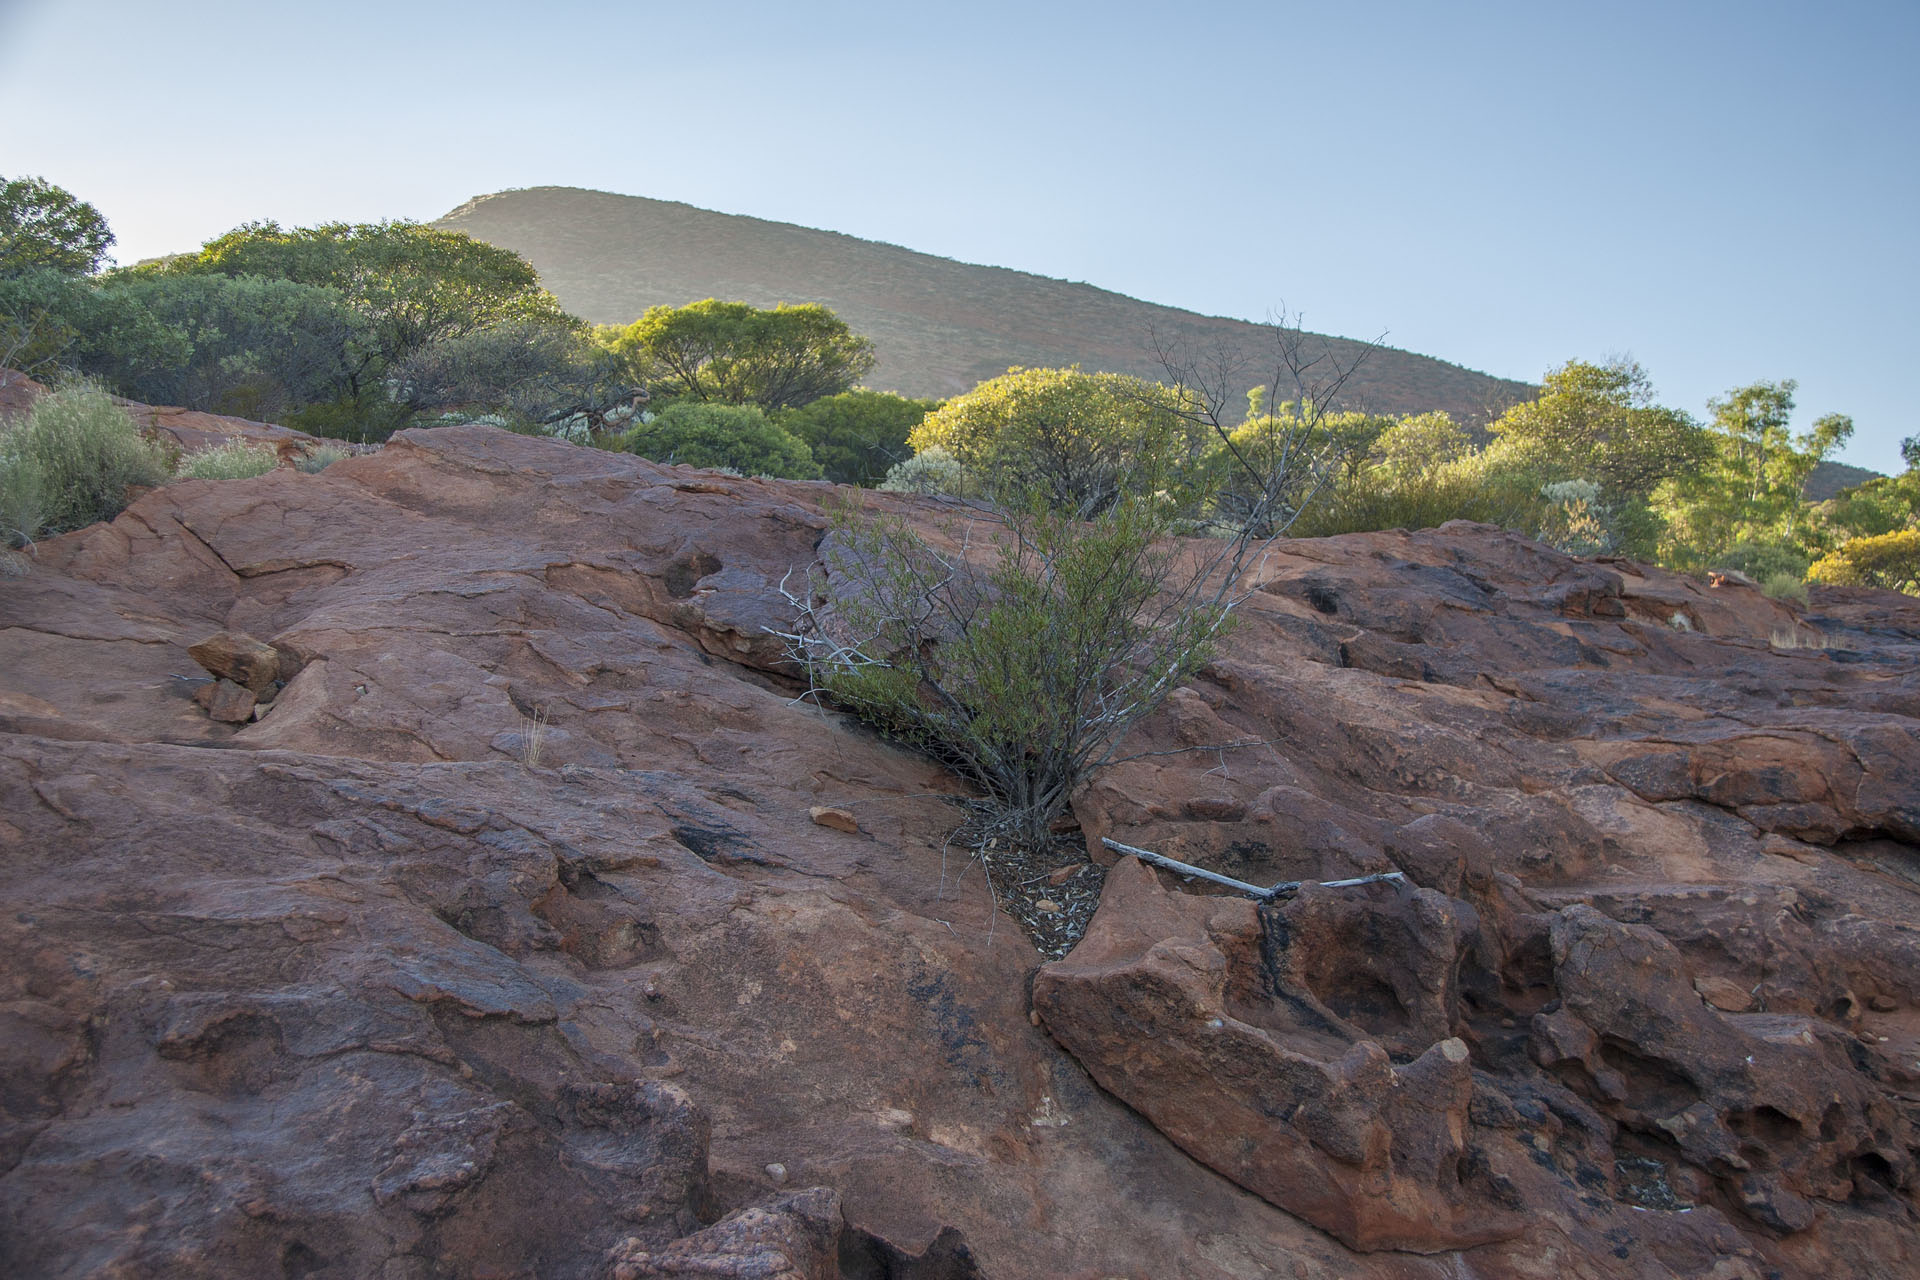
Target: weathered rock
{"x": 796, "y": 1237}
{"x": 362, "y": 989}
{"x": 226, "y": 701}
{"x": 839, "y": 819}
{"x": 1194, "y": 1012}
{"x": 239, "y": 658}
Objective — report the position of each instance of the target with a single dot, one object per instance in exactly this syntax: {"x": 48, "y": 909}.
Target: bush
{"x": 1077, "y": 441}
{"x": 77, "y": 451}
{"x": 857, "y": 436}
{"x": 1889, "y": 560}
{"x": 931, "y": 471}
{"x": 319, "y": 459}
{"x": 1378, "y": 499}
{"x": 237, "y": 459}
{"x": 1024, "y": 676}
{"x": 738, "y": 437}
{"x": 1785, "y": 586}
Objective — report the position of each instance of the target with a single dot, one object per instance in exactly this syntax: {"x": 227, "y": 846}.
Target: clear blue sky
{"x": 1725, "y": 191}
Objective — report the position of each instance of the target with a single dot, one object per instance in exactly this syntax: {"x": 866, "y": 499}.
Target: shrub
{"x": 1785, "y": 586}
{"x": 858, "y": 436}
{"x": 1077, "y": 441}
{"x": 1379, "y": 499}
{"x": 931, "y": 471}
{"x": 1889, "y": 560}
{"x": 237, "y": 459}
{"x": 1023, "y": 676}
{"x": 78, "y": 451}
{"x": 319, "y": 459}
{"x": 719, "y": 435}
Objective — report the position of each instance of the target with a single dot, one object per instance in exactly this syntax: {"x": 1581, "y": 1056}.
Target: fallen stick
{"x": 1285, "y": 886}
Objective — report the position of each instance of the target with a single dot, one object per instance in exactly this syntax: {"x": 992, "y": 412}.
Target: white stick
{"x": 1285, "y": 886}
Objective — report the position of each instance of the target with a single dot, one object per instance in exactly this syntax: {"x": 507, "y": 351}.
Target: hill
{"x": 939, "y": 326}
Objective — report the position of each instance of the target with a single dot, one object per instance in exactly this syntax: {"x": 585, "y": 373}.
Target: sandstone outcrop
{"x": 367, "y": 986}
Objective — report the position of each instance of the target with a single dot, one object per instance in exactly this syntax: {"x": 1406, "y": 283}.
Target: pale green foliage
{"x": 1578, "y": 521}
{"x": 69, "y": 462}
{"x": 237, "y": 459}
{"x": 1022, "y": 674}
{"x": 1076, "y": 441}
{"x": 320, "y": 458}
{"x": 1785, "y": 586}
{"x": 931, "y": 471}
{"x": 1420, "y": 472}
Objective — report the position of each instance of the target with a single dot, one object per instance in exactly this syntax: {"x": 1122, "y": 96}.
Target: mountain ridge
{"x": 940, "y": 326}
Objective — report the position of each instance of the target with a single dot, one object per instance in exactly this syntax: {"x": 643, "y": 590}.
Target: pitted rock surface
{"x": 502, "y": 942}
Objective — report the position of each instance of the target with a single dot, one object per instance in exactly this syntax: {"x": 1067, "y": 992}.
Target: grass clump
{"x": 237, "y": 459}
{"x": 69, "y": 462}
{"x": 318, "y": 459}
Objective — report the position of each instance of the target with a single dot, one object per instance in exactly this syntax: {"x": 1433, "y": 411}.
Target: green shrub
{"x": 932, "y": 470}
{"x": 78, "y": 451}
{"x": 22, "y": 500}
{"x": 1025, "y": 675}
{"x": 237, "y": 459}
{"x": 738, "y": 437}
{"x": 1079, "y": 441}
{"x": 857, "y": 436}
{"x": 319, "y": 459}
{"x": 1889, "y": 560}
{"x": 1785, "y": 586}
{"x": 1379, "y": 500}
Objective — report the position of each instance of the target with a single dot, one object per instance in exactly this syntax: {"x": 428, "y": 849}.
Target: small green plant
{"x": 1022, "y": 669}
{"x": 320, "y": 458}
{"x": 1785, "y": 586}
{"x": 237, "y": 459}
{"x": 931, "y": 471}
{"x": 70, "y": 461}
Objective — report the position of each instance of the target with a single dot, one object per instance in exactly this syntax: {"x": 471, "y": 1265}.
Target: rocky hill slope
{"x": 939, "y": 326}
{"x": 491, "y": 934}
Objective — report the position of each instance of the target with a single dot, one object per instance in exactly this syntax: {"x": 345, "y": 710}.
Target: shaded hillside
{"x": 940, "y": 326}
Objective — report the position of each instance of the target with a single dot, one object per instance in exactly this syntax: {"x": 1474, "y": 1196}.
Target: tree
{"x": 1599, "y": 423}
{"x": 411, "y": 285}
{"x": 531, "y": 371}
{"x": 858, "y": 436}
{"x": 1750, "y": 496}
{"x": 738, "y": 438}
{"x": 1078, "y": 441}
{"x": 733, "y": 353}
{"x": 44, "y": 227}
{"x": 1266, "y": 478}
{"x": 254, "y": 347}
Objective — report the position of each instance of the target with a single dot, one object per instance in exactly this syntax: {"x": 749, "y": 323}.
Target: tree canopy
{"x": 858, "y": 436}
{"x": 44, "y": 227}
{"x": 734, "y": 353}
{"x": 1073, "y": 440}
{"x": 412, "y": 285}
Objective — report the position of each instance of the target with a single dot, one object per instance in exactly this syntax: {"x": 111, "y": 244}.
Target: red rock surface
{"x": 503, "y": 944}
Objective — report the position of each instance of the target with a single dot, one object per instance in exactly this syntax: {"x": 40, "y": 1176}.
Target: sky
{"x": 1725, "y": 192}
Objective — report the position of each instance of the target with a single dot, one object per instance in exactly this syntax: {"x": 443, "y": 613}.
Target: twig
{"x": 1285, "y": 886}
